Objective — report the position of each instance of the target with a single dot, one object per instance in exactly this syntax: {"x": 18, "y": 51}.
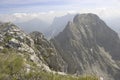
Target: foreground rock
{"x": 34, "y": 47}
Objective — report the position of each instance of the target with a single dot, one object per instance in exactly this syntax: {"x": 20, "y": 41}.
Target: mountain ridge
{"x": 79, "y": 47}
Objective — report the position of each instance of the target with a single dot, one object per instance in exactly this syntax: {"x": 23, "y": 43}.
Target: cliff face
{"x": 104, "y": 36}
{"x": 86, "y": 45}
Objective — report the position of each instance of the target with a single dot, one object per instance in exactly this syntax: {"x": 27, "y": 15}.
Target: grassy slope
{"x": 12, "y": 68}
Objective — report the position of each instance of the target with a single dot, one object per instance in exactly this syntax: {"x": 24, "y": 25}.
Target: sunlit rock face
{"x": 33, "y": 47}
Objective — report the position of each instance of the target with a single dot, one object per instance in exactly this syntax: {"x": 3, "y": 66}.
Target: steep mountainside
{"x": 38, "y": 50}
{"x": 47, "y": 51}
{"x": 87, "y": 44}
{"x": 103, "y": 35}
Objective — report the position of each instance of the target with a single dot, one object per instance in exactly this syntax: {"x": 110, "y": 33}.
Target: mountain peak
{"x": 87, "y": 41}
{"x": 89, "y": 17}
{"x": 94, "y": 27}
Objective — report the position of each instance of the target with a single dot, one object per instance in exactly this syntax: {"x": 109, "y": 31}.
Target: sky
{"x": 33, "y": 6}
{"x": 46, "y": 10}
{"x": 20, "y": 11}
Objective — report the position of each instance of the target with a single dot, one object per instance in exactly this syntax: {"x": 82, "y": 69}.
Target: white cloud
{"x": 25, "y": 1}
{"x": 48, "y": 16}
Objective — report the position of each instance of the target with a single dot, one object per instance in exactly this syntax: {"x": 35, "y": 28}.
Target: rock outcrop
{"x": 33, "y": 47}
{"x": 47, "y": 52}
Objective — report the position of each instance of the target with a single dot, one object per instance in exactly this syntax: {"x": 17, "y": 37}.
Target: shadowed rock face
{"x": 87, "y": 44}
{"x": 104, "y": 36}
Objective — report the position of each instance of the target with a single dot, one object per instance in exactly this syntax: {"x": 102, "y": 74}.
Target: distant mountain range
{"x": 58, "y": 25}
{"x": 52, "y": 29}
{"x": 34, "y": 25}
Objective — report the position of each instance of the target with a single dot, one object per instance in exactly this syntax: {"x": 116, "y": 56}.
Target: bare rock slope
{"x": 89, "y": 46}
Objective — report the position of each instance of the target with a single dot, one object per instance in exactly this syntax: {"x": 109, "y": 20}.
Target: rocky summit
{"x": 33, "y": 47}
{"x": 89, "y": 46}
